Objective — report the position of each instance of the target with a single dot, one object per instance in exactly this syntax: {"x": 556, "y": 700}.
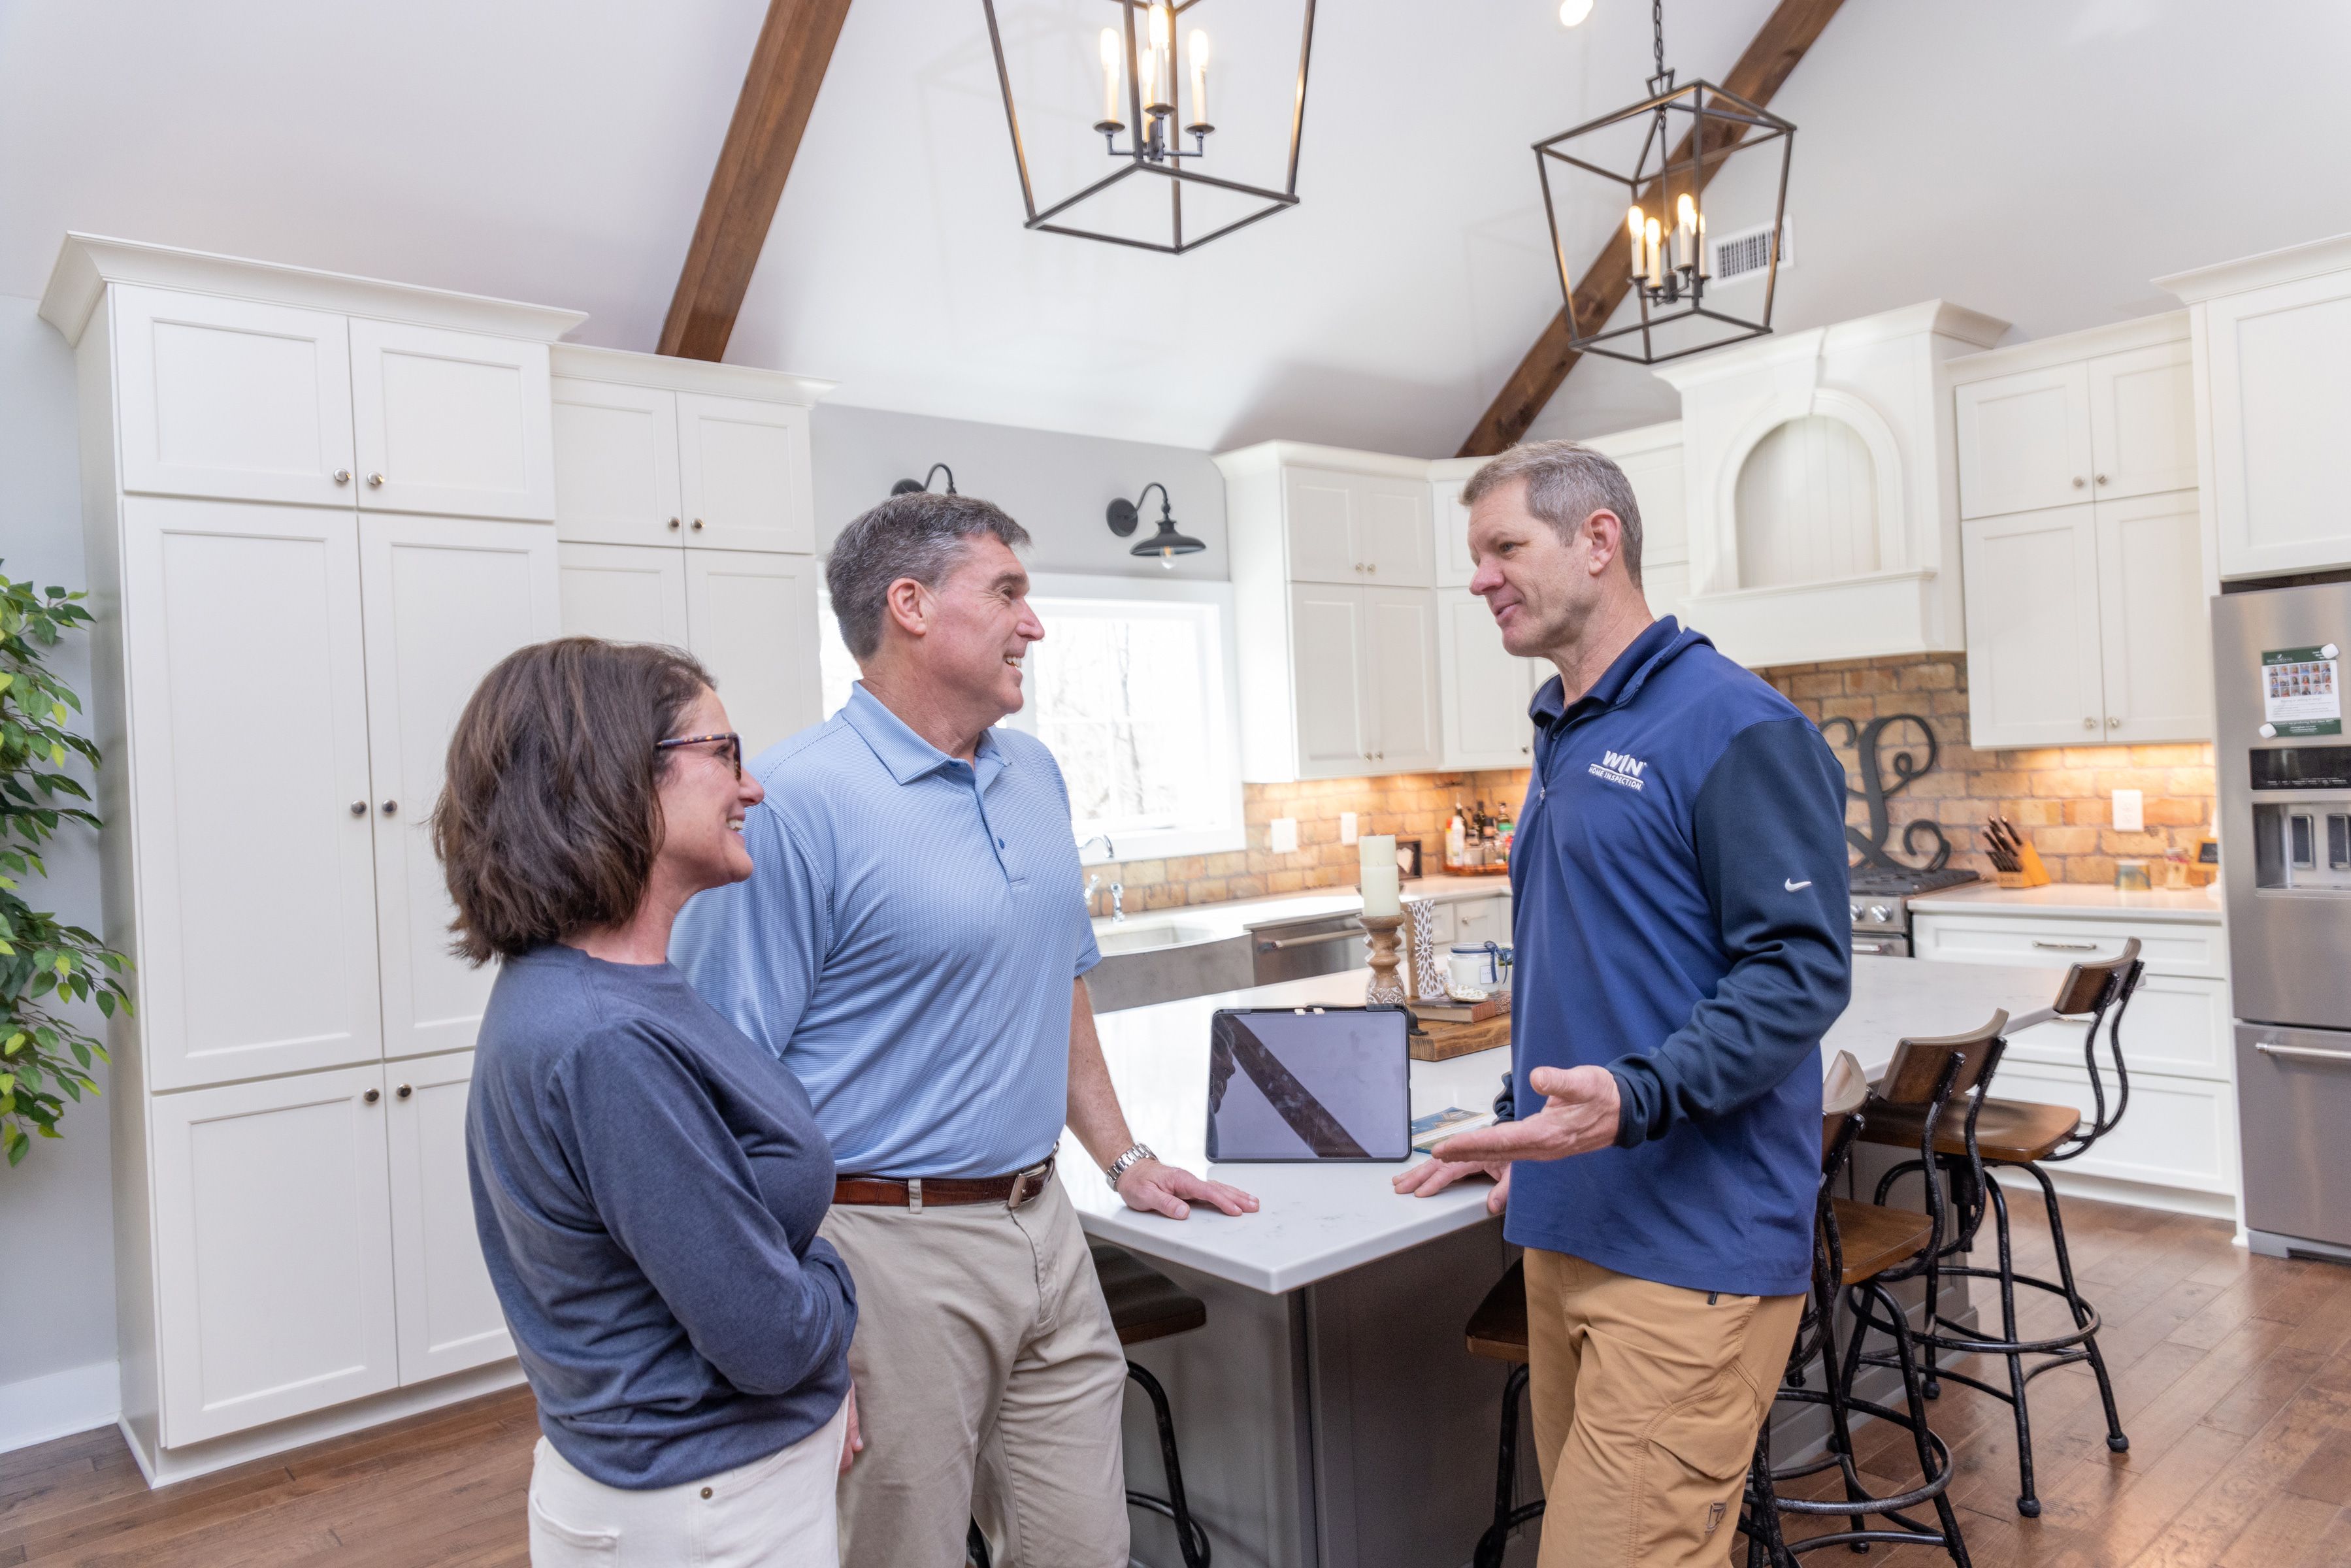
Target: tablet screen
{"x": 1319, "y": 1084}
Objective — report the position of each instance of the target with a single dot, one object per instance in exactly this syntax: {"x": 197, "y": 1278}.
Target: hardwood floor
{"x": 2233, "y": 1374}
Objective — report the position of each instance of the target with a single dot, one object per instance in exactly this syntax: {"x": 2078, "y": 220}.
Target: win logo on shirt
{"x": 1619, "y": 768}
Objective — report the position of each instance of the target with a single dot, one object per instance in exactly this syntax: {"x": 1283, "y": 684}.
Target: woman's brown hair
{"x": 550, "y": 814}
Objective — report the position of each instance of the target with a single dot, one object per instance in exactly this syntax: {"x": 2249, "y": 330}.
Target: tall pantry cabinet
{"x": 317, "y": 509}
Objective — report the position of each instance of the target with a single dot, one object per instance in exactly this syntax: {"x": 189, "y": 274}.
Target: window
{"x": 1131, "y": 689}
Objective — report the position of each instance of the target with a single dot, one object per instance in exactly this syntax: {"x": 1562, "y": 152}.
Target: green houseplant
{"x": 45, "y": 1060}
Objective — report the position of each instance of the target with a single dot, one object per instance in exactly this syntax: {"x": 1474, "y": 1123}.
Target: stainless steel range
{"x": 1881, "y": 904}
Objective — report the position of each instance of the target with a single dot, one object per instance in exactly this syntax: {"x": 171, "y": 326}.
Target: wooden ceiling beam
{"x": 788, "y": 67}
{"x": 1770, "y": 56}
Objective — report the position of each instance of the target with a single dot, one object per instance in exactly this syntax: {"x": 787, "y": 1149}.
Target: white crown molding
{"x": 2066, "y": 347}
{"x": 2295, "y": 261}
{"x": 87, "y": 264}
{"x": 1268, "y": 456}
{"x": 582, "y": 362}
{"x": 1936, "y": 318}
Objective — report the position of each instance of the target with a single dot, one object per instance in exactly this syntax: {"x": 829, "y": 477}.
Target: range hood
{"x": 1822, "y": 487}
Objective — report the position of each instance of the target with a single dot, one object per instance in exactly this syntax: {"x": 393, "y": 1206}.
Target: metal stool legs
{"x": 1190, "y": 1539}
{"x": 1509, "y": 1512}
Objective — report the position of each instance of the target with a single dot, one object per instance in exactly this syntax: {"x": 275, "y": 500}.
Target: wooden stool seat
{"x": 1144, "y": 1304}
{"x": 1497, "y": 1329}
{"x": 1872, "y": 1239}
{"x": 2008, "y": 1132}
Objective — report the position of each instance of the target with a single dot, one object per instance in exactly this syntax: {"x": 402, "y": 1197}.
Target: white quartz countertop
{"x": 2193, "y": 905}
{"x": 1236, "y": 916}
{"x": 1317, "y": 1220}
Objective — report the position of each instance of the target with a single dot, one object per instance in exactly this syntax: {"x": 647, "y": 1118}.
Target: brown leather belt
{"x": 918, "y": 1193}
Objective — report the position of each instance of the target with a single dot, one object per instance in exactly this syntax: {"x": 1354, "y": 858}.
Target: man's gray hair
{"x": 1566, "y": 483}
{"x": 921, "y": 535}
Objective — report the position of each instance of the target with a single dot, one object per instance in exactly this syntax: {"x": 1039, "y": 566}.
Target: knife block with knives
{"x": 2014, "y": 861}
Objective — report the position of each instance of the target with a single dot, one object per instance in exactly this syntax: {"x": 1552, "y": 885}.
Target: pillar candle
{"x": 1382, "y": 888}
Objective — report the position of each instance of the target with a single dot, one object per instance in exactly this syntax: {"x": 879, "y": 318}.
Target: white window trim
{"x": 1224, "y": 690}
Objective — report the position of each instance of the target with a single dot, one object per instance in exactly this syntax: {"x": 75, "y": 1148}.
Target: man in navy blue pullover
{"x": 1678, "y": 881}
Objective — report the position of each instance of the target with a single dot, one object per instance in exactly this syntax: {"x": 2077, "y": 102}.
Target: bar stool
{"x": 1498, "y": 1332}
{"x": 2016, "y": 1134}
{"x": 1862, "y": 1251}
{"x": 1144, "y": 1304}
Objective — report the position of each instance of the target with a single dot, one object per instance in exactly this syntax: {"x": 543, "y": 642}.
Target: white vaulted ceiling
{"x": 559, "y": 151}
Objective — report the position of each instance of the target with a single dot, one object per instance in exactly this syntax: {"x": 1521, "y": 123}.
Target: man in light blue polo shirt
{"x": 913, "y": 942}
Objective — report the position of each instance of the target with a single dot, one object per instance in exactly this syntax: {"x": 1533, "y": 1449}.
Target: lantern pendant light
{"x": 1154, "y": 92}
{"x": 1658, "y": 254}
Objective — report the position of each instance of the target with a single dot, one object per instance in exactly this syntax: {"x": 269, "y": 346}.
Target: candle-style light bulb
{"x": 1200, "y": 79}
{"x": 1110, "y": 53}
{"x": 1686, "y": 232}
{"x": 1633, "y": 224}
{"x": 1162, "y": 55}
{"x": 1654, "y": 268}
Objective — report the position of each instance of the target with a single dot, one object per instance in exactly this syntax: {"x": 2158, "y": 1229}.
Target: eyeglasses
{"x": 733, "y": 752}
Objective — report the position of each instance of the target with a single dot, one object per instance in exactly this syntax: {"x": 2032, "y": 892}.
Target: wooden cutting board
{"x": 1444, "y": 1041}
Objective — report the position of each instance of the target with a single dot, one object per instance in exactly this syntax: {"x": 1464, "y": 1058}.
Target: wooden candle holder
{"x": 1385, "y": 987}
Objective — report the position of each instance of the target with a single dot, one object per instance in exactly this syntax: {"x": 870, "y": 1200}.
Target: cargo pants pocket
{"x": 1695, "y": 1471}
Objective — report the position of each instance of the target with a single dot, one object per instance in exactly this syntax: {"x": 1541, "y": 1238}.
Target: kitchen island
{"x": 1328, "y": 1412}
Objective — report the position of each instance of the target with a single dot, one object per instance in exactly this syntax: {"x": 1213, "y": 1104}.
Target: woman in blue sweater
{"x": 647, "y": 1182}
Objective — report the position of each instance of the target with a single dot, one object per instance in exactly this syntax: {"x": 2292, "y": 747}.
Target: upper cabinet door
{"x": 2151, "y": 613}
{"x": 1454, "y": 569}
{"x": 2279, "y": 379}
{"x": 1656, "y": 475}
{"x": 451, "y": 422}
{"x": 2025, "y": 441}
{"x": 1329, "y": 657}
{"x": 449, "y": 1314}
{"x": 1483, "y": 687}
{"x": 2034, "y": 673}
{"x": 626, "y": 593}
{"x": 616, "y": 464}
{"x": 743, "y": 474}
{"x": 273, "y": 1246}
{"x": 445, "y": 600}
{"x": 1318, "y": 511}
{"x": 227, "y": 398}
{"x": 1402, "y": 626}
{"x": 2143, "y": 421}
{"x": 237, "y": 832}
{"x": 1392, "y": 536}
{"x": 752, "y": 617}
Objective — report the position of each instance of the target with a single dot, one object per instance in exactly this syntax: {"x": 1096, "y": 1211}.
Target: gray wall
{"x": 1056, "y": 485}
{"x": 56, "y": 1288}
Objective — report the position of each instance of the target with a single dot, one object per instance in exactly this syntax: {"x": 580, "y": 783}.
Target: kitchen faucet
{"x": 1117, "y": 898}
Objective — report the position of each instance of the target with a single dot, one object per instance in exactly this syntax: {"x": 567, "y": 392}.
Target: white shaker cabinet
{"x": 448, "y": 1312}
{"x": 1357, "y": 528}
{"x": 2155, "y": 659}
{"x": 1362, "y": 667}
{"x": 2102, "y": 426}
{"x": 250, "y": 795}
{"x": 445, "y": 600}
{"x": 273, "y": 1249}
{"x": 2033, "y": 656}
{"x": 626, "y": 593}
{"x": 452, "y": 422}
{"x": 1486, "y": 688}
{"x": 232, "y": 398}
{"x": 751, "y": 620}
{"x": 1401, "y": 626}
{"x": 743, "y": 473}
{"x": 1328, "y": 674}
{"x": 616, "y": 464}
{"x": 2025, "y": 441}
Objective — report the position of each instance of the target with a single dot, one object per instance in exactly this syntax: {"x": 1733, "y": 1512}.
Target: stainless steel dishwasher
{"x": 1296, "y": 949}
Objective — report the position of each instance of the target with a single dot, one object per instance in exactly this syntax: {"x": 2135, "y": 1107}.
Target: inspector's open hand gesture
{"x": 1171, "y": 1191}
{"x": 1580, "y": 1113}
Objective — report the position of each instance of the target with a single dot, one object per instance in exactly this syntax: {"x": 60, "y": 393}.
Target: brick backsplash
{"x": 2060, "y": 796}
{"x": 1410, "y": 805}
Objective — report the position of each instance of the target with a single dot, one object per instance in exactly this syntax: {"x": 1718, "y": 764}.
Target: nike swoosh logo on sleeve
{"x": 1798, "y": 886}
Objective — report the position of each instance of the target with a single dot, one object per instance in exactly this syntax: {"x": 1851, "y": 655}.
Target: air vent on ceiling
{"x": 1747, "y": 253}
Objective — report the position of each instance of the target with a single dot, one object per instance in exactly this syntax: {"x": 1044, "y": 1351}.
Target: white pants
{"x": 776, "y": 1513}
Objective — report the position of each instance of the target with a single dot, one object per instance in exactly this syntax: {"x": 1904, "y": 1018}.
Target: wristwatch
{"x": 1127, "y": 1162}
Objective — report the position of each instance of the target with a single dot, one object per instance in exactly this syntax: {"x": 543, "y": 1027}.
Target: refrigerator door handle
{"x": 2302, "y": 1053}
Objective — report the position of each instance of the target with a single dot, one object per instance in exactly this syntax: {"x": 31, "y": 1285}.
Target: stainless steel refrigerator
{"x": 2285, "y": 765}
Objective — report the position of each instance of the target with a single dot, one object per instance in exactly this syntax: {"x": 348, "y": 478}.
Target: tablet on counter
{"x": 1289, "y": 1084}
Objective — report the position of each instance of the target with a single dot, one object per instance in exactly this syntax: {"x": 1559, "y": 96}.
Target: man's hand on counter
{"x": 1579, "y": 1114}
{"x": 1432, "y": 1176}
{"x": 1155, "y": 1188}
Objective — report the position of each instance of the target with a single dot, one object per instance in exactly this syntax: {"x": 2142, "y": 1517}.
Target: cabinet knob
{"x": 403, "y": 1091}
{"x": 391, "y": 808}
{"x": 2102, "y": 479}
{"x": 1374, "y": 566}
{"x": 342, "y": 475}
{"x": 2114, "y": 721}
{"x": 697, "y": 525}
{"x": 2077, "y": 481}
{"x": 359, "y": 807}
{"x": 673, "y": 522}
{"x": 372, "y": 1096}
{"x": 2089, "y": 724}
{"x": 377, "y": 480}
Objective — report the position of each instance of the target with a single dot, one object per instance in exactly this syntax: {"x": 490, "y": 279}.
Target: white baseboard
{"x": 60, "y": 1404}
{"x": 2138, "y": 1195}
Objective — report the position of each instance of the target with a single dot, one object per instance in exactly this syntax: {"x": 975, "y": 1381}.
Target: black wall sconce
{"x": 909, "y": 487}
{"x": 1167, "y": 544}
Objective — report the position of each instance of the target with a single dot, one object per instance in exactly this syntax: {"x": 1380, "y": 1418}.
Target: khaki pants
{"x": 1646, "y": 1401}
{"x": 989, "y": 1386}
